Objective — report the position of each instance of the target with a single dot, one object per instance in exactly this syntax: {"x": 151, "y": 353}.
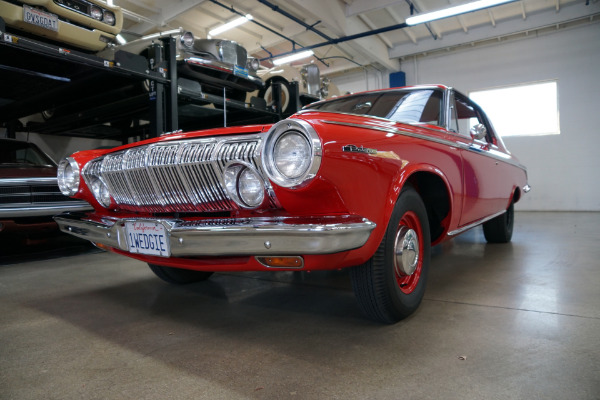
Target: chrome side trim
{"x": 47, "y": 209}
{"x": 474, "y": 224}
{"x": 51, "y": 180}
{"x": 252, "y": 236}
{"x": 462, "y": 146}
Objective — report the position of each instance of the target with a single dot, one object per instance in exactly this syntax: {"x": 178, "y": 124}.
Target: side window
{"x": 467, "y": 116}
{"x": 419, "y": 106}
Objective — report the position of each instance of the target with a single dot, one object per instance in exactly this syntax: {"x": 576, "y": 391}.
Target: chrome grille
{"x": 233, "y": 53}
{"x": 174, "y": 176}
{"x": 30, "y": 191}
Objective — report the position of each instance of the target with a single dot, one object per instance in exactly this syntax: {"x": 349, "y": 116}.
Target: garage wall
{"x": 563, "y": 169}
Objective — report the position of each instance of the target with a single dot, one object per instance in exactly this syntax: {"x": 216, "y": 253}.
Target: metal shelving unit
{"x": 98, "y": 98}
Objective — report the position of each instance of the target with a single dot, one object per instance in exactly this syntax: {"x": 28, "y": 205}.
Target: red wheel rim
{"x": 408, "y": 283}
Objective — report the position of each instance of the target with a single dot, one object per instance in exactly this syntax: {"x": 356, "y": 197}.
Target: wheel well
{"x": 516, "y": 195}
{"x": 434, "y": 194}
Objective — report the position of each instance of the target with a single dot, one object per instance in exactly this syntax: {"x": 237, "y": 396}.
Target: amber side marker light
{"x": 101, "y": 246}
{"x": 281, "y": 262}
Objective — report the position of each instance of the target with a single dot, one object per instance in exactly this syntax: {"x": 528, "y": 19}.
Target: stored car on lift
{"x": 85, "y": 24}
{"x": 29, "y": 194}
{"x": 309, "y": 79}
{"x": 367, "y": 181}
{"x": 212, "y": 64}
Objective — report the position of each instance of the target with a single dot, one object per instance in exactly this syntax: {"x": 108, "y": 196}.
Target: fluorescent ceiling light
{"x": 232, "y": 24}
{"x": 456, "y": 10}
{"x": 293, "y": 57}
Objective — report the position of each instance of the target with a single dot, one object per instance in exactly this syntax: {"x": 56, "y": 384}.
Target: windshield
{"x": 22, "y": 153}
{"x": 410, "y": 106}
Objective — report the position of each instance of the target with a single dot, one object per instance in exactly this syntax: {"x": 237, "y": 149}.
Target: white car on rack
{"x": 88, "y": 25}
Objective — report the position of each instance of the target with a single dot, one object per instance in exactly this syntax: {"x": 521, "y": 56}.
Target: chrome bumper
{"x": 234, "y": 237}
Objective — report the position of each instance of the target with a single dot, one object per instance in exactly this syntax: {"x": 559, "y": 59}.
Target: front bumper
{"x": 89, "y": 39}
{"x": 219, "y": 73}
{"x": 234, "y": 237}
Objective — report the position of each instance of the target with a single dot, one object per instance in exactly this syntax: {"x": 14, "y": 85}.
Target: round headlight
{"x": 68, "y": 176}
{"x": 109, "y": 17}
{"x": 187, "y": 39}
{"x": 244, "y": 185}
{"x": 291, "y": 155}
{"x": 101, "y": 192}
{"x": 250, "y": 188}
{"x": 96, "y": 13}
{"x": 253, "y": 64}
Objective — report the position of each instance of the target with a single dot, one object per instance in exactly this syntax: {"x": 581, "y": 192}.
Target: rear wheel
{"x": 500, "y": 229}
{"x": 390, "y": 286}
{"x": 179, "y": 276}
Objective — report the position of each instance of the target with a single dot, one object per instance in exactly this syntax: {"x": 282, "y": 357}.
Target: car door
{"x": 484, "y": 190}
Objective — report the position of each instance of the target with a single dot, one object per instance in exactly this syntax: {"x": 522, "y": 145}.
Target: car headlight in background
{"x": 244, "y": 185}
{"x": 109, "y": 17}
{"x": 96, "y": 13}
{"x": 292, "y": 153}
{"x": 187, "y": 39}
{"x": 68, "y": 176}
{"x": 253, "y": 64}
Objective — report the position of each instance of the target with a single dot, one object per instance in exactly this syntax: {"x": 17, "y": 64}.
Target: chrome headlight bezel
{"x": 187, "y": 39}
{"x": 252, "y": 64}
{"x": 233, "y": 174}
{"x": 280, "y": 130}
{"x": 92, "y": 175}
{"x": 68, "y": 176}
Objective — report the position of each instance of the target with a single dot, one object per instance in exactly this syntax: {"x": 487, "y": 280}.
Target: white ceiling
{"x": 334, "y": 19}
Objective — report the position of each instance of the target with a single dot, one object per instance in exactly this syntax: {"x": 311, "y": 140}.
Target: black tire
{"x": 179, "y": 276}
{"x": 500, "y": 229}
{"x": 385, "y": 291}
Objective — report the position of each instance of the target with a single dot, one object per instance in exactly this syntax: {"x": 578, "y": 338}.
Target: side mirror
{"x": 478, "y": 131}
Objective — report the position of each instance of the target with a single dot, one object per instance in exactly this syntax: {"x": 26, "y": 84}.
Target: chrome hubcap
{"x": 406, "y": 251}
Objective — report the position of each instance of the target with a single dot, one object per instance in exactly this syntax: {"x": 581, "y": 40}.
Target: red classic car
{"x": 368, "y": 181}
{"x": 29, "y": 194}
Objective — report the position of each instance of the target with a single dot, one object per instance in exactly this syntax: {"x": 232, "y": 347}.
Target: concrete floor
{"x": 516, "y": 321}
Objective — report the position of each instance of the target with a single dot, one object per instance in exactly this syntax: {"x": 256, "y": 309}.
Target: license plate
{"x": 150, "y": 238}
{"x": 239, "y": 71}
{"x": 40, "y": 18}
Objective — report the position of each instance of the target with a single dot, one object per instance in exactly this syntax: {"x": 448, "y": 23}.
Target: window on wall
{"x": 521, "y": 110}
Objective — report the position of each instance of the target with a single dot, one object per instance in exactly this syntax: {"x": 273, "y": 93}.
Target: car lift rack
{"x": 97, "y": 98}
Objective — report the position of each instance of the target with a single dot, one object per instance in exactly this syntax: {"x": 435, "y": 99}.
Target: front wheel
{"x": 500, "y": 229}
{"x": 390, "y": 286}
{"x": 179, "y": 276}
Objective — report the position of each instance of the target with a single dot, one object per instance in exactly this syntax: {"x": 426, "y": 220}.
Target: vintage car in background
{"x": 85, "y": 24}
{"x": 29, "y": 193}
{"x": 310, "y": 83}
{"x": 368, "y": 181}
{"x": 214, "y": 64}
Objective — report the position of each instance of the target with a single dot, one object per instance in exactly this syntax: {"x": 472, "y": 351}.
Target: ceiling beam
{"x": 534, "y": 21}
{"x": 333, "y": 20}
{"x": 364, "y": 6}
